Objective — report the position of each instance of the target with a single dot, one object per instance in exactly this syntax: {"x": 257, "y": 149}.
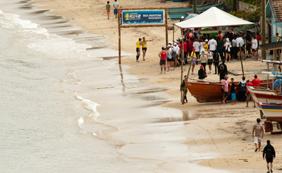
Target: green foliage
{"x": 253, "y": 16}
{"x": 254, "y": 2}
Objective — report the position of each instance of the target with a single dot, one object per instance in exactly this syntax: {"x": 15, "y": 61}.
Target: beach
{"x": 68, "y": 106}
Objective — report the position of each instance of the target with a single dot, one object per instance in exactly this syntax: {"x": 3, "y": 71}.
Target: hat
{"x": 206, "y": 40}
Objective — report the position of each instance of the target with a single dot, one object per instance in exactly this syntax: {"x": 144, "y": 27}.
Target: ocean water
{"x": 63, "y": 108}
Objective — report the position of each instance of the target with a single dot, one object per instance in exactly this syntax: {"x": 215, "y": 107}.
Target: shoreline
{"x": 219, "y": 162}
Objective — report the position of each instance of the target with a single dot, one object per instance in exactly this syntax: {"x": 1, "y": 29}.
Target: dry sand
{"x": 221, "y": 130}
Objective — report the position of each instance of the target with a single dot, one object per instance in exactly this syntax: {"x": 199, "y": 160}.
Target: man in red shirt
{"x": 256, "y": 81}
{"x": 248, "y": 95}
{"x": 184, "y": 47}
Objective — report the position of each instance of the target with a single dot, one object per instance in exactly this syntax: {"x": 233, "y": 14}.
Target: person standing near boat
{"x": 258, "y": 133}
{"x": 256, "y": 81}
{"x": 269, "y": 156}
{"x": 248, "y": 94}
{"x": 233, "y": 91}
{"x": 242, "y": 89}
{"x": 183, "y": 90}
{"x": 225, "y": 89}
{"x": 222, "y": 70}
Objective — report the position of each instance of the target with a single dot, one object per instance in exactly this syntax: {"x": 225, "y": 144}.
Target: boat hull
{"x": 269, "y": 103}
{"x": 272, "y": 112}
{"x": 205, "y": 91}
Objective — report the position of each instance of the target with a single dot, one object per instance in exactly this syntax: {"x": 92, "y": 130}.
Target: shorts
{"x": 210, "y": 61}
{"x": 162, "y": 62}
{"x": 115, "y": 11}
{"x": 225, "y": 94}
{"x": 170, "y": 59}
{"x": 269, "y": 159}
{"x": 257, "y": 140}
{"x": 144, "y": 49}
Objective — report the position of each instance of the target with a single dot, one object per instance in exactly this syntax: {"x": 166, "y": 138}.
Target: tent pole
{"x": 263, "y": 52}
{"x": 242, "y": 66}
{"x": 182, "y": 59}
{"x": 173, "y": 33}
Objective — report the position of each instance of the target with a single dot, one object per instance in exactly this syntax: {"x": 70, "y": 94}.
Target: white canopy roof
{"x": 212, "y": 17}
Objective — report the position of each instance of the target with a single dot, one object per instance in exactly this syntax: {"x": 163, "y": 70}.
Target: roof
{"x": 213, "y": 17}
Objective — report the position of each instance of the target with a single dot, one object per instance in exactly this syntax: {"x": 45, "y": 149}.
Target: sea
{"x": 67, "y": 106}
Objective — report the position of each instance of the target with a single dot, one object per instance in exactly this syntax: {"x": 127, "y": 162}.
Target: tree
{"x": 235, "y": 5}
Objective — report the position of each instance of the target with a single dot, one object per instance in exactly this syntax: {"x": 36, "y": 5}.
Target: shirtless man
{"x": 258, "y": 133}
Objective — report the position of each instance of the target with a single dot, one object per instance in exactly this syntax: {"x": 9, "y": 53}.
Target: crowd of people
{"x": 209, "y": 52}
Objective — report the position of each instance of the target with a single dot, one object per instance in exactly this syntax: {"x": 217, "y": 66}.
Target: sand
{"x": 217, "y": 136}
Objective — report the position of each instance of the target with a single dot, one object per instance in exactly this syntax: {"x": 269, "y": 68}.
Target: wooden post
{"x": 166, "y": 28}
{"x": 242, "y": 66}
{"x": 267, "y": 75}
{"x": 119, "y": 36}
{"x": 263, "y": 22}
{"x": 173, "y": 33}
{"x": 182, "y": 59}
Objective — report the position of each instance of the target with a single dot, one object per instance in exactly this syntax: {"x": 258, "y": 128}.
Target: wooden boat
{"x": 265, "y": 96}
{"x": 268, "y": 102}
{"x": 272, "y": 112}
{"x": 205, "y": 91}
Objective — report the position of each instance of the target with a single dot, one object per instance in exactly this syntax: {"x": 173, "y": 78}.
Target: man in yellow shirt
{"x": 138, "y": 47}
{"x": 144, "y": 47}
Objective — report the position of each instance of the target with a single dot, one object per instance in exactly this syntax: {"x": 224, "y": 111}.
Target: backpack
{"x": 221, "y": 68}
{"x": 242, "y": 87}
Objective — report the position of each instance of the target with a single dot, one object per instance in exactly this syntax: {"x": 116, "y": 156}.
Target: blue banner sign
{"x": 142, "y": 17}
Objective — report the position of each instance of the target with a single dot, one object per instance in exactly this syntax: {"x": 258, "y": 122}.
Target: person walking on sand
{"x": 258, "y": 133}
{"x": 108, "y": 9}
{"x": 144, "y": 47}
{"x": 138, "y": 46}
{"x": 163, "y": 59}
{"x": 183, "y": 89}
{"x": 116, "y": 6}
{"x": 269, "y": 155}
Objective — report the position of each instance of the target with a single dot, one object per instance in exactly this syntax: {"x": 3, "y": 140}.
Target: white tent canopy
{"x": 212, "y": 17}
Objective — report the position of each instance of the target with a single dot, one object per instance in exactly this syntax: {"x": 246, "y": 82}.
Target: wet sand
{"x": 139, "y": 135}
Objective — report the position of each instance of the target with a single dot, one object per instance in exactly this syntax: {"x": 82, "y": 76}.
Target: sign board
{"x": 143, "y": 17}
